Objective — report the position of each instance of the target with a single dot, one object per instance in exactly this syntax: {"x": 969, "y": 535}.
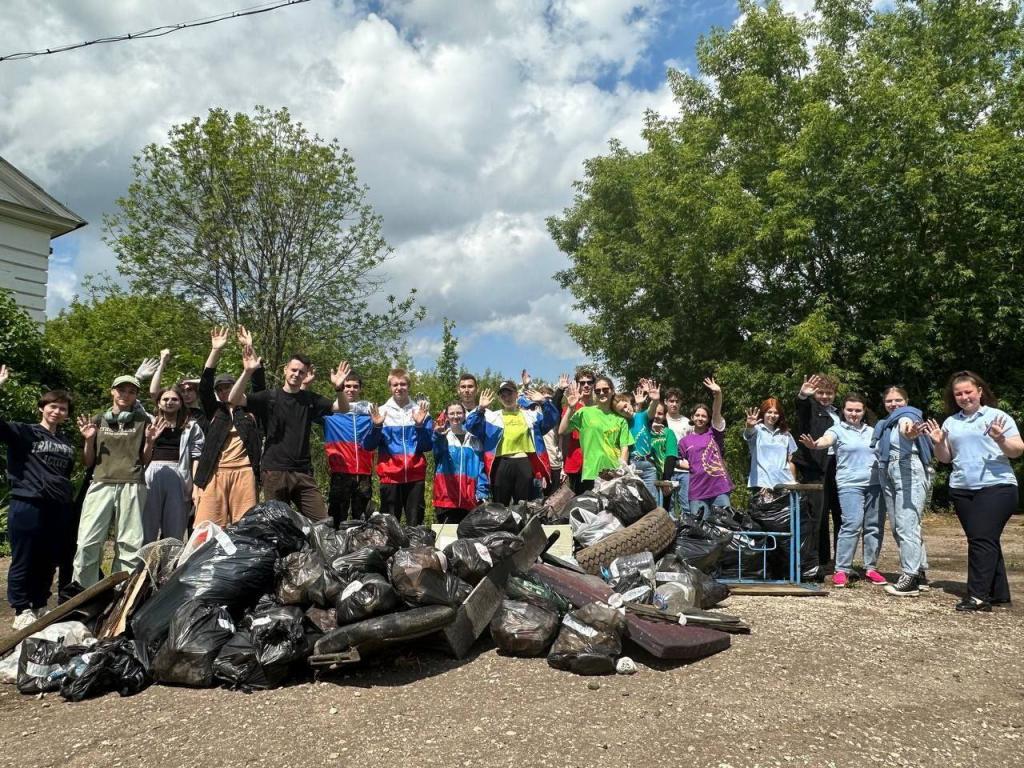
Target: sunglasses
{"x": 603, "y": 390}
{"x": 586, "y": 382}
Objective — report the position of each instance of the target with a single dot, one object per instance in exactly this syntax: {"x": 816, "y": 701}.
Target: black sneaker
{"x": 922, "y": 581}
{"x": 974, "y": 605}
{"x": 906, "y": 586}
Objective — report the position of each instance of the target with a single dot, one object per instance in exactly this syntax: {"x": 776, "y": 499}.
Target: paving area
{"x": 856, "y": 678}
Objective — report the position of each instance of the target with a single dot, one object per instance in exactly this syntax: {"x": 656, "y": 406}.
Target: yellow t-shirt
{"x": 516, "y": 436}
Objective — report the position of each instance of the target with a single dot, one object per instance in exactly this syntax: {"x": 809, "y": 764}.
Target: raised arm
{"x": 249, "y": 365}
{"x": 154, "y": 384}
{"x": 654, "y": 393}
{"x": 822, "y": 442}
{"x": 717, "y": 422}
{"x": 338, "y": 376}
{"x": 572, "y": 397}
{"x": 87, "y": 427}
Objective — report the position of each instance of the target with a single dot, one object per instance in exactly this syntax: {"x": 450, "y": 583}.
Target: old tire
{"x": 654, "y": 532}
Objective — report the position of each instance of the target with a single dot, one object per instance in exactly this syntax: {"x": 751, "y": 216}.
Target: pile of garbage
{"x": 272, "y": 598}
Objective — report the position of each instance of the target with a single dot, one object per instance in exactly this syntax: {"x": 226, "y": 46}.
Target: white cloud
{"x": 468, "y": 127}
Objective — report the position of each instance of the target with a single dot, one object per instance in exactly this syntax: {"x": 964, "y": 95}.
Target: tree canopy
{"x": 837, "y": 192}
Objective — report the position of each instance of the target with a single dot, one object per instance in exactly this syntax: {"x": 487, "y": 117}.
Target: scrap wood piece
{"x": 780, "y": 590}
{"x": 116, "y": 621}
{"x": 63, "y": 610}
{"x": 693, "y": 617}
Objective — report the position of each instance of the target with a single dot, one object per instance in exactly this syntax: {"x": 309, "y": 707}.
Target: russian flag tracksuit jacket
{"x": 460, "y": 475}
{"x": 490, "y": 426}
{"x": 400, "y": 444}
{"x": 344, "y": 434}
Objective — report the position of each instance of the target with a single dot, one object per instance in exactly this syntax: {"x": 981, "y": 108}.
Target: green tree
{"x": 447, "y": 368}
{"x": 35, "y": 365}
{"x": 260, "y": 223}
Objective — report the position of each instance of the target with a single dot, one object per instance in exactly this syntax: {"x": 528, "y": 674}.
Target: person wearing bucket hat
{"x": 227, "y": 473}
{"x": 114, "y": 445}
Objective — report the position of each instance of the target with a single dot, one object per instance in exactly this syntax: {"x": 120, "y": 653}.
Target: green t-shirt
{"x": 119, "y": 450}
{"x": 657, "y": 446}
{"x": 602, "y": 436}
{"x": 516, "y": 436}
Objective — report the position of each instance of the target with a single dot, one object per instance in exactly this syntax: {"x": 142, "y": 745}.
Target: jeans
{"x": 681, "y": 495}
{"x": 648, "y": 473}
{"x": 862, "y": 513}
{"x": 905, "y": 491}
{"x": 701, "y": 508}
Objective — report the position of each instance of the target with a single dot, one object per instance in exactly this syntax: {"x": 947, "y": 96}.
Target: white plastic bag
{"x": 202, "y": 533}
{"x": 73, "y": 632}
{"x": 589, "y": 528}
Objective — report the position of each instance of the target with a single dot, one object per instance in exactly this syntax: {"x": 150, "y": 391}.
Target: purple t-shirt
{"x": 708, "y": 476}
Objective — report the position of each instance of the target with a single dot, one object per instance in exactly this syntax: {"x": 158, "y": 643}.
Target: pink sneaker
{"x": 874, "y": 576}
{"x": 840, "y": 580}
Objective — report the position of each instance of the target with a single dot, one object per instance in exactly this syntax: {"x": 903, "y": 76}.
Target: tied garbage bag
{"x": 233, "y": 572}
{"x": 489, "y": 518}
{"x": 457, "y": 589}
{"x": 368, "y": 595}
{"x": 527, "y": 589}
{"x": 589, "y": 641}
{"x": 588, "y": 528}
{"x": 732, "y": 519}
{"x": 110, "y": 665}
{"x": 71, "y": 632}
{"x": 381, "y": 532}
{"x": 628, "y": 498}
{"x": 271, "y": 640}
{"x": 522, "y": 629}
{"x": 469, "y": 559}
{"x": 326, "y": 540}
{"x": 700, "y": 552}
{"x": 711, "y": 592}
{"x": 300, "y": 579}
{"x": 503, "y": 544}
{"x": 420, "y": 536}
{"x": 636, "y": 587}
{"x": 770, "y": 510}
{"x": 43, "y": 664}
{"x": 364, "y": 560}
{"x": 419, "y": 576}
{"x": 274, "y": 523}
{"x": 742, "y": 557}
{"x": 324, "y": 619}
{"x": 590, "y": 501}
{"x": 196, "y": 635}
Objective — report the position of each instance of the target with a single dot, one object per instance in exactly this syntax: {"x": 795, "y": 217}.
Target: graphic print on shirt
{"x": 711, "y": 460}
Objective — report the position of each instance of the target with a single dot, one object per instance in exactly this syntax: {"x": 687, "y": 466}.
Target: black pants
{"x": 812, "y": 512}
{"x": 512, "y": 479}
{"x": 555, "y": 482}
{"x": 830, "y": 510}
{"x": 348, "y": 493}
{"x": 39, "y": 533}
{"x": 983, "y": 514}
{"x": 446, "y": 515}
{"x": 407, "y": 498}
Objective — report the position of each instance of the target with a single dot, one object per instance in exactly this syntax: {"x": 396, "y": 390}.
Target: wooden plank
{"x": 116, "y": 623}
{"x": 780, "y": 590}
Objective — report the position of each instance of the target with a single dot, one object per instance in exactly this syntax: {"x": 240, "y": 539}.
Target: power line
{"x": 157, "y": 31}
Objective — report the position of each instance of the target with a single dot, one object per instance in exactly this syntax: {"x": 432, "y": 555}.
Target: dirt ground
{"x": 852, "y": 679}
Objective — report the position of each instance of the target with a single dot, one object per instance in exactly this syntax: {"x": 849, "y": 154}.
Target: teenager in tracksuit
{"x": 401, "y": 435}
{"x": 350, "y": 464}
{"x": 460, "y": 480}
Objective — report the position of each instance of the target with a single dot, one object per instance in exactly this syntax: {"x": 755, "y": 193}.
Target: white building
{"x": 29, "y": 220}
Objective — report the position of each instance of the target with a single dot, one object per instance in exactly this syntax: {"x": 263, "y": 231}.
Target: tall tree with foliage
{"x": 839, "y": 192}
{"x": 447, "y": 368}
{"x": 260, "y": 223}
{"x": 35, "y": 365}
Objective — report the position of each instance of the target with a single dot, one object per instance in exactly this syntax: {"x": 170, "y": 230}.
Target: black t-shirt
{"x": 39, "y": 464}
{"x": 288, "y": 418}
{"x": 167, "y": 446}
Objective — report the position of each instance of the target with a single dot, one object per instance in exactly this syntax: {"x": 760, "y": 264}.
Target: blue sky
{"x": 468, "y": 122}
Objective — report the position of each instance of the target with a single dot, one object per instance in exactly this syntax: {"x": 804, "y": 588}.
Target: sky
{"x": 468, "y": 122}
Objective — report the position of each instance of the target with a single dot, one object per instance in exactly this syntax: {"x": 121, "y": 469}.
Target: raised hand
{"x": 147, "y": 368}
{"x": 244, "y": 337}
{"x": 572, "y": 394}
{"x": 250, "y": 361}
{"x": 339, "y": 374}
{"x": 808, "y": 441}
{"x": 640, "y": 393}
{"x": 753, "y": 416}
{"x": 4, "y": 375}
{"x": 87, "y": 427}
{"x": 653, "y": 390}
{"x": 156, "y": 428}
{"x": 811, "y": 385}
{"x": 712, "y": 385}
{"x": 165, "y": 355}
{"x": 219, "y": 337}
{"x": 525, "y": 378}
{"x": 534, "y": 396}
{"x": 310, "y": 377}
{"x": 486, "y": 398}
{"x": 376, "y": 416}
{"x": 420, "y": 415}
{"x": 563, "y": 380}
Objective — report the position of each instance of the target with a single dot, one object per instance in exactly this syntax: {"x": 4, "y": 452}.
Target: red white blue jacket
{"x": 460, "y": 478}
{"x": 400, "y": 444}
{"x": 489, "y": 426}
{"x": 344, "y": 434}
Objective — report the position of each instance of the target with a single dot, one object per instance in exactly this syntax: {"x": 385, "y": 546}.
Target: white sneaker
{"x": 24, "y": 619}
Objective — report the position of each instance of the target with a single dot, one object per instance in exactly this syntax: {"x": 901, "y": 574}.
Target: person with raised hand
{"x": 860, "y": 491}
{"x": 510, "y": 436}
{"x": 460, "y": 478}
{"x": 227, "y": 473}
{"x": 401, "y": 435}
{"x": 189, "y": 388}
{"x": 350, "y": 465}
{"x": 174, "y": 441}
{"x": 572, "y": 451}
{"x": 288, "y": 415}
{"x": 634, "y": 408}
{"x": 703, "y": 450}
{"x": 114, "y": 444}
{"x": 979, "y": 440}
{"x": 40, "y": 516}
{"x": 604, "y": 434}
{"x": 771, "y": 446}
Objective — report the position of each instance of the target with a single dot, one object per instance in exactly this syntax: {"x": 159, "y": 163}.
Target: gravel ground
{"x": 853, "y": 679}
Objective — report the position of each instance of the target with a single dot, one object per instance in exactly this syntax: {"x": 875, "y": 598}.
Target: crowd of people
{"x": 211, "y": 445}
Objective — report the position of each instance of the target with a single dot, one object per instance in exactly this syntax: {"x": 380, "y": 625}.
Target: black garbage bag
{"x": 275, "y": 523}
{"x": 526, "y": 588}
{"x": 382, "y": 632}
{"x": 418, "y": 575}
{"x": 696, "y": 528}
{"x": 700, "y": 552}
{"x": 382, "y": 532}
{"x": 364, "y": 560}
{"x": 458, "y": 589}
{"x": 368, "y": 595}
{"x": 272, "y": 641}
{"x": 589, "y": 640}
{"x": 635, "y": 587}
{"x": 523, "y": 629}
{"x": 43, "y": 664}
{"x": 326, "y": 540}
{"x": 238, "y": 664}
{"x": 489, "y": 517}
{"x": 110, "y": 665}
{"x": 712, "y": 592}
{"x": 469, "y": 559}
{"x": 235, "y": 578}
{"x": 196, "y": 635}
{"x": 590, "y": 501}
{"x": 300, "y": 579}
{"x": 740, "y": 558}
{"x": 503, "y": 545}
{"x": 628, "y": 499}
{"x": 324, "y": 619}
{"x": 732, "y": 519}
{"x": 420, "y": 536}
{"x": 770, "y": 511}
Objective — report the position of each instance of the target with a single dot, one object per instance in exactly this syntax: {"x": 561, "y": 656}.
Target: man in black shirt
{"x": 288, "y": 414}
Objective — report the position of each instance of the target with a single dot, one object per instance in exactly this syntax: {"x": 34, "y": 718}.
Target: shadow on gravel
{"x": 399, "y": 669}
{"x": 958, "y": 588}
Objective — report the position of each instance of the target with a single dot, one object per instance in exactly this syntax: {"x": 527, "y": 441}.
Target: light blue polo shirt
{"x": 770, "y": 450}
{"x": 856, "y": 460}
{"x": 977, "y": 460}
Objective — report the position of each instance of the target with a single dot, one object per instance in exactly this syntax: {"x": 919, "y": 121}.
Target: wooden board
{"x": 116, "y": 621}
{"x": 777, "y": 590}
